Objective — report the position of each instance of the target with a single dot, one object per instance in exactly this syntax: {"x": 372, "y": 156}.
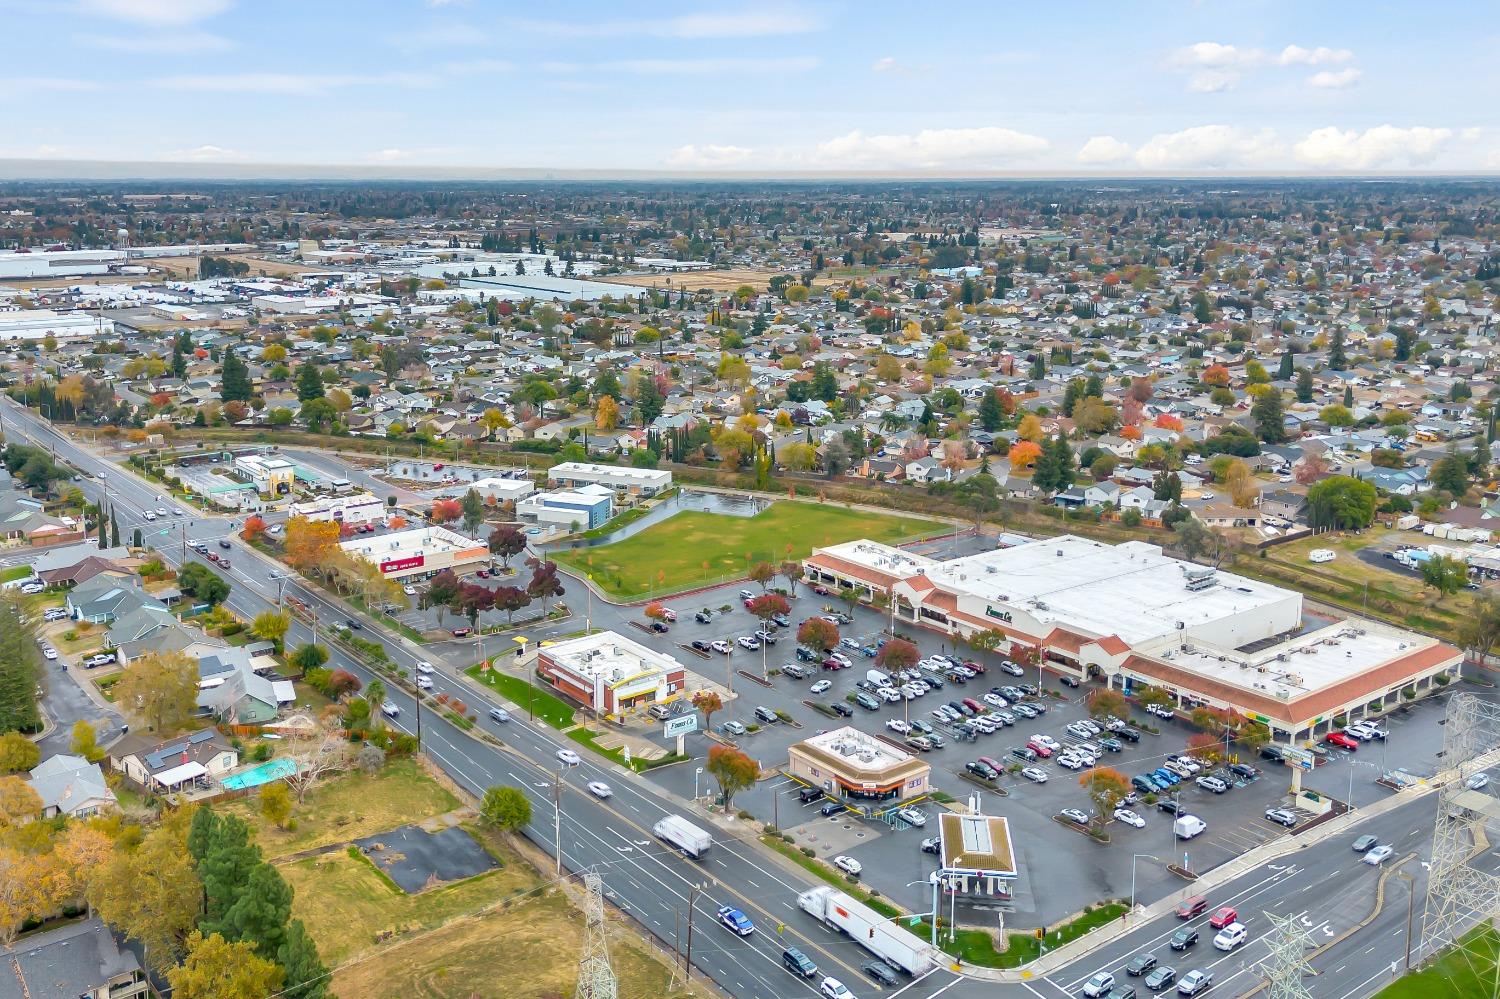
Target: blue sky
{"x": 1145, "y": 86}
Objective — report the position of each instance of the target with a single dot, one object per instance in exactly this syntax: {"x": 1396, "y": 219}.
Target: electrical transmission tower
{"x": 596, "y": 976}
{"x": 1285, "y": 966}
{"x": 1460, "y": 895}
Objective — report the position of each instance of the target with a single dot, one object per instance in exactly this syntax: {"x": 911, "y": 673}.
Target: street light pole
{"x": 557, "y": 817}
{"x": 696, "y": 776}
{"x": 1133, "y": 859}
{"x": 692, "y": 903}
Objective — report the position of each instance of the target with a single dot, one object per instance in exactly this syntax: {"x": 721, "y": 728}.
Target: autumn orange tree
{"x": 1104, "y": 702}
{"x": 1023, "y": 453}
{"x": 1106, "y": 788}
{"x": 255, "y": 526}
{"x": 1215, "y": 374}
{"x": 734, "y": 771}
{"x": 1167, "y": 421}
{"x": 818, "y": 634}
{"x": 311, "y": 544}
{"x": 708, "y": 701}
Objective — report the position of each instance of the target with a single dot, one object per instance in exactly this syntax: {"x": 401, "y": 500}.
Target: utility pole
{"x": 687, "y": 963}
{"x": 557, "y": 818}
{"x": 596, "y": 975}
{"x": 1285, "y": 965}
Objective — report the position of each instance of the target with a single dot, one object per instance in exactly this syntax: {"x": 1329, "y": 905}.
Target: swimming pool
{"x": 263, "y": 774}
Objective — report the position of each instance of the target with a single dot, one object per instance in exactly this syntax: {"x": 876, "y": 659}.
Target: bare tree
{"x": 318, "y": 752}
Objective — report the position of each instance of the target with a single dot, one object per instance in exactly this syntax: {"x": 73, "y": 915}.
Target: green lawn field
{"x": 692, "y": 548}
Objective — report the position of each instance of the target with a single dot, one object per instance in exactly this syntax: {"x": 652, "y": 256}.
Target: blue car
{"x": 871, "y": 651}
{"x": 1166, "y": 776}
{"x": 736, "y": 920}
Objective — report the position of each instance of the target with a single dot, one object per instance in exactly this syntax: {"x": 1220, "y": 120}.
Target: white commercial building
{"x": 636, "y": 481}
{"x": 38, "y": 324}
{"x": 58, "y": 263}
{"x": 493, "y": 489}
{"x": 568, "y": 509}
{"x": 609, "y": 673}
{"x": 1131, "y": 615}
{"x": 420, "y": 552}
{"x": 355, "y": 509}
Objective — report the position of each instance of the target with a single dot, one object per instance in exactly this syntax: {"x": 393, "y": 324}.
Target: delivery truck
{"x": 684, "y": 835}
{"x": 872, "y": 931}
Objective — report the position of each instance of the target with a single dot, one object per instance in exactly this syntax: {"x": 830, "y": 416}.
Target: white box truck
{"x": 866, "y": 927}
{"x": 684, "y": 835}
{"x": 1188, "y": 826}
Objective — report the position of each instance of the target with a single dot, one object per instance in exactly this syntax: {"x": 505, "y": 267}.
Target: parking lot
{"x": 1062, "y": 870}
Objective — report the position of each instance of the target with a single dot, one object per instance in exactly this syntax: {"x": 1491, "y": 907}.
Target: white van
{"x": 878, "y": 678}
{"x": 1188, "y": 826}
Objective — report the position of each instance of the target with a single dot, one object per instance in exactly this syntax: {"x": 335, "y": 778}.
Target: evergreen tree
{"x": 20, "y": 669}
{"x": 260, "y": 911}
{"x": 1336, "y": 357}
{"x": 221, "y": 847}
{"x": 103, "y": 526}
{"x": 179, "y": 362}
{"x": 1094, "y": 388}
{"x": 1270, "y": 420}
{"x": 309, "y": 382}
{"x": 305, "y": 975}
{"x": 1348, "y": 396}
{"x": 1038, "y": 367}
{"x": 1067, "y": 470}
{"x": 1284, "y": 372}
{"x": 234, "y": 378}
{"x": 1450, "y": 473}
{"x": 648, "y": 398}
{"x": 1071, "y": 395}
{"x": 114, "y": 529}
{"x": 991, "y": 413}
{"x": 1044, "y": 472}
{"x": 1304, "y": 385}
{"x": 608, "y": 384}
{"x": 1167, "y": 485}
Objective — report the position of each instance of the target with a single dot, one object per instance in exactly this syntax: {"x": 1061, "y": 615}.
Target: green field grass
{"x": 1454, "y": 975}
{"x": 692, "y": 548}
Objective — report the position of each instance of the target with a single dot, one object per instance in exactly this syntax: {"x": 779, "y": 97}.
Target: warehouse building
{"x": 420, "y": 552}
{"x": 609, "y": 673}
{"x": 632, "y": 481}
{"x": 860, "y": 770}
{"x": 58, "y": 263}
{"x": 38, "y": 324}
{"x": 1133, "y": 616}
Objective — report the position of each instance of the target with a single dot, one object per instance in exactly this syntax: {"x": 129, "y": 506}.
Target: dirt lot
{"x": 696, "y": 280}
{"x": 527, "y": 951}
{"x": 179, "y": 268}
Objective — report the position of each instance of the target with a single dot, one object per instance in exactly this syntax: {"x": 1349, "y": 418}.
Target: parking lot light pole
{"x": 1133, "y": 859}
{"x": 696, "y": 777}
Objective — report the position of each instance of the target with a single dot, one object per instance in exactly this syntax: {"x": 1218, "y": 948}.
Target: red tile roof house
{"x": 1129, "y": 615}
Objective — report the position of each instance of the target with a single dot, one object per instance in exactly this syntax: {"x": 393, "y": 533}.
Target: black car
{"x": 1023, "y": 753}
{"x": 798, "y": 963}
{"x": 224, "y": 543}
{"x": 832, "y": 808}
{"x": 880, "y": 971}
{"x": 1068, "y": 681}
{"x": 701, "y": 646}
{"x": 1112, "y": 745}
{"x": 981, "y": 770}
{"x": 1129, "y": 735}
{"x": 808, "y": 794}
{"x": 840, "y": 708}
{"x": 1140, "y": 964}
{"x": 703, "y": 617}
{"x": 1168, "y": 805}
{"x": 808, "y": 655}
{"x": 352, "y": 624}
{"x": 1244, "y": 770}
{"x": 1160, "y": 978}
{"x": 1271, "y": 751}
{"x": 659, "y": 627}
{"x": 1183, "y": 938}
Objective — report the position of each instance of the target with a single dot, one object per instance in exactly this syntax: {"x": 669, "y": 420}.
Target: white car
{"x": 568, "y": 757}
{"x": 1378, "y": 855}
{"x": 161, "y": 511}
{"x": 1130, "y": 818}
{"x": 1320, "y": 555}
{"x": 848, "y": 865}
{"x": 1070, "y": 762}
{"x": 821, "y": 686}
{"x": 410, "y": 591}
{"x": 1233, "y": 935}
{"x": 424, "y": 683}
{"x": 599, "y": 789}
{"x": 424, "y": 667}
{"x": 390, "y": 709}
{"x": 1478, "y": 781}
{"x": 1046, "y": 740}
{"x": 49, "y": 652}
{"x": 1034, "y": 774}
{"x": 720, "y": 646}
{"x": 912, "y": 816}
{"x": 748, "y": 642}
{"x": 995, "y": 701}
{"x": 898, "y": 726}
{"x": 832, "y": 988}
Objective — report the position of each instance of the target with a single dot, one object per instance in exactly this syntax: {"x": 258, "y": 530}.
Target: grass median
{"x": 977, "y": 947}
{"x": 548, "y": 706}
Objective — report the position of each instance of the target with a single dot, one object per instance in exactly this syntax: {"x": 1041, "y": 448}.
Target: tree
{"x": 1341, "y": 502}
{"x": 309, "y": 657}
{"x": 511, "y": 599}
{"x": 32, "y": 886}
{"x": 1023, "y": 453}
{"x": 1480, "y": 628}
{"x": 1336, "y": 415}
{"x": 18, "y": 753}
{"x": 1310, "y": 469}
{"x": 271, "y": 626}
{"x": 473, "y": 510}
{"x": 19, "y": 803}
{"x": 1216, "y": 375}
{"x": 311, "y": 544}
{"x": 1105, "y": 701}
{"x": 708, "y": 701}
{"x": 734, "y": 771}
{"x": 543, "y": 582}
{"x": 302, "y": 969}
{"x": 217, "y": 969}
{"x": 1337, "y": 360}
{"x": 323, "y": 750}
{"x": 1167, "y": 486}
{"x": 897, "y": 654}
{"x": 762, "y": 573}
{"x": 991, "y": 413}
{"x": 797, "y": 457}
{"x": 1304, "y": 385}
{"x": 150, "y": 894}
{"x": 255, "y": 526}
{"x": 1270, "y": 419}
{"x": 86, "y": 742}
{"x": 506, "y": 808}
{"x": 1446, "y": 575}
{"x": 309, "y": 382}
{"x": 507, "y": 541}
{"x": 1243, "y": 491}
{"x": 160, "y": 690}
{"x": 606, "y": 414}
{"x": 1193, "y": 538}
{"x": 276, "y": 803}
{"x": 474, "y": 600}
{"x": 20, "y": 672}
{"x": 1106, "y": 788}
{"x": 1450, "y": 473}
{"x": 818, "y": 634}
{"x": 198, "y": 580}
{"x": 234, "y": 378}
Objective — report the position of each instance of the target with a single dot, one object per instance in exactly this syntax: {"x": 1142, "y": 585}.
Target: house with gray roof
{"x": 77, "y": 961}
{"x": 72, "y": 786}
{"x": 107, "y": 597}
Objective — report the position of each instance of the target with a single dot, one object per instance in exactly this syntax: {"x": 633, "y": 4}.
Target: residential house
{"x": 80, "y": 960}
{"x": 236, "y": 688}
{"x": 106, "y": 597}
{"x": 199, "y": 759}
{"x": 927, "y": 469}
{"x": 73, "y": 787}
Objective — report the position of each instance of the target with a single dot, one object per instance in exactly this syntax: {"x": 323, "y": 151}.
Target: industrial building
{"x": 420, "y": 552}
{"x": 632, "y": 481}
{"x": 609, "y": 673}
{"x": 354, "y": 509}
{"x": 270, "y": 475}
{"x": 1131, "y": 615}
{"x": 862, "y": 770}
{"x": 38, "y": 324}
{"x": 568, "y": 509}
{"x": 494, "y": 489}
{"x": 58, "y": 263}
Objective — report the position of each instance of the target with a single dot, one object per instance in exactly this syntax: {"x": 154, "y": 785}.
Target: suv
{"x": 981, "y": 770}
{"x": 809, "y": 794}
{"x": 1195, "y": 906}
{"x": 798, "y": 963}
{"x": 867, "y": 702}
{"x": 766, "y": 715}
{"x": 1098, "y": 985}
{"x": 1231, "y": 936}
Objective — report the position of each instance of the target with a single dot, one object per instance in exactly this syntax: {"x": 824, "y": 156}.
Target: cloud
{"x": 156, "y": 12}
{"x": 1296, "y": 55}
{"x": 204, "y": 154}
{"x": 1212, "y": 82}
{"x": 749, "y": 22}
{"x": 1335, "y": 79}
{"x": 285, "y": 83}
{"x": 888, "y": 64}
{"x": 1209, "y": 146}
{"x": 172, "y": 43}
{"x": 930, "y": 148}
{"x": 689, "y": 67}
{"x": 1104, "y": 149}
{"x": 390, "y": 155}
{"x": 1214, "y": 55}
{"x": 1381, "y": 147}
{"x": 440, "y": 36}
{"x": 690, "y": 156}
{"x": 16, "y": 86}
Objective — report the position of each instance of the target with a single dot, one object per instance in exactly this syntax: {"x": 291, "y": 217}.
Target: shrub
{"x": 808, "y": 851}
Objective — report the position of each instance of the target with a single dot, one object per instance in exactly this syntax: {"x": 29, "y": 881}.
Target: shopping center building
{"x": 420, "y": 552}
{"x": 861, "y": 770}
{"x": 1131, "y": 615}
{"x": 609, "y": 673}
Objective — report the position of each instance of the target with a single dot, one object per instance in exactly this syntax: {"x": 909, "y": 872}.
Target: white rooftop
{"x": 609, "y": 656}
{"x": 858, "y": 748}
{"x": 1131, "y": 590}
{"x": 882, "y": 558}
{"x": 617, "y": 472}
{"x": 417, "y": 541}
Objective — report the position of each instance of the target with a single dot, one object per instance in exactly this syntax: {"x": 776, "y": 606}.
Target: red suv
{"x": 1195, "y": 906}
{"x": 975, "y": 666}
{"x": 1040, "y": 750}
{"x": 1223, "y": 917}
{"x": 1342, "y": 741}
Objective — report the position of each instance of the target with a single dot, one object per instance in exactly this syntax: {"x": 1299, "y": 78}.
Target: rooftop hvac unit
{"x": 1059, "y": 553}
{"x": 1260, "y": 669}
{"x": 1282, "y": 657}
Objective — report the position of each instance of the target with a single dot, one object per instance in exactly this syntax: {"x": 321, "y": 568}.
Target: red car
{"x": 460, "y": 632}
{"x": 1223, "y": 917}
{"x": 976, "y": 667}
{"x": 821, "y": 590}
{"x": 1342, "y": 741}
{"x": 1040, "y": 750}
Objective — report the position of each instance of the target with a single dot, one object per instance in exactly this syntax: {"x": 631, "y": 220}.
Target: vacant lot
{"x": 692, "y": 548}
{"x": 350, "y": 807}
{"x": 526, "y": 951}
{"x": 1454, "y": 975}
{"x": 717, "y": 281}
{"x": 186, "y": 268}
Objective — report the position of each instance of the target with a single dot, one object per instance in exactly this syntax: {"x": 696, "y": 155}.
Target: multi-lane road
{"x": 1325, "y": 885}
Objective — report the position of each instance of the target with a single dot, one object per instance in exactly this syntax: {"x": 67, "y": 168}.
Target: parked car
{"x": 981, "y": 770}
{"x": 699, "y": 645}
{"x": 1129, "y": 817}
{"x": 1212, "y": 784}
{"x": 848, "y": 865}
{"x": 1034, "y": 775}
{"x": 820, "y": 686}
{"x": 1077, "y": 815}
{"x": 932, "y": 844}
{"x": 842, "y": 709}
{"x": 912, "y": 816}
{"x": 735, "y": 728}
{"x": 720, "y": 646}
{"x": 1282, "y": 816}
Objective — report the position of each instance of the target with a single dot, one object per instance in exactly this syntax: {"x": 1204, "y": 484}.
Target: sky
{"x": 1004, "y": 87}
